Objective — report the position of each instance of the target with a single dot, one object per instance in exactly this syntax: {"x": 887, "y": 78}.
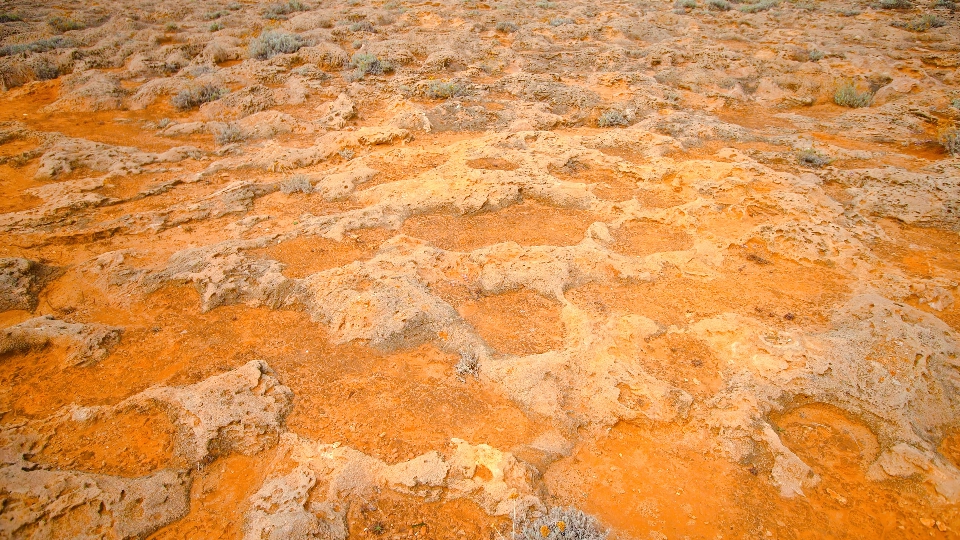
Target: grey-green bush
{"x": 364, "y": 64}
{"x": 847, "y": 95}
{"x": 64, "y": 24}
{"x": 274, "y": 42}
{"x": 444, "y": 90}
{"x": 193, "y": 97}
{"x": 228, "y": 134}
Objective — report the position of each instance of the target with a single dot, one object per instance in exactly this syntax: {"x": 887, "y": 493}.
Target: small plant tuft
{"x": 193, "y": 97}
{"x": 64, "y": 24}
{"x": 298, "y": 183}
{"x": 847, "y": 95}
{"x": 611, "y": 119}
{"x": 10, "y": 17}
{"x": 815, "y": 55}
{"x": 46, "y": 70}
{"x": 950, "y": 139}
{"x": 895, "y": 4}
{"x": 718, "y": 5}
{"x": 506, "y": 27}
{"x": 762, "y": 5}
{"x": 813, "y": 158}
{"x": 274, "y": 42}
{"x": 280, "y": 11}
{"x": 42, "y": 45}
{"x": 560, "y": 21}
{"x": 563, "y": 524}
{"x": 686, "y": 4}
{"x": 228, "y": 134}
{"x": 444, "y": 90}
{"x": 922, "y": 23}
{"x": 364, "y": 64}
{"x": 216, "y": 26}
{"x": 171, "y": 27}
{"x": 347, "y": 154}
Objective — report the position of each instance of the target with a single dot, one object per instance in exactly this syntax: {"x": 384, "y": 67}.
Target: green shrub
{"x": 922, "y": 23}
{"x": 718, "y": 5}
{"x": 612, "y": 118}
{"x": 895, "y": 4}
{"x": 847, "y": 95}
{"x": 10, "y": 17}
{"x": 193, "y": 97}
{"x": 216, "y": 26}
{"x": 365, "y": 64}
{"x": 46, "y": 70}
{"x": 506, "y": 27}
{"x": 815, "y": 55}
{"x": 687, "y": 4}
{"x": 274, "y": 42}
{"x": 63, "y": 24}
{"x": 763, "y": 5}
{"x": 444, "y": 90}
{"x": 280, "y": 11}
{"x": 43, "y": 45}
{"x": 171, "y": 27}
{"x": 230, "y": 133}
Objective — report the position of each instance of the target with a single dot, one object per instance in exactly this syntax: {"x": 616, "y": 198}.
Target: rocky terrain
{"x": 466, "y": 269}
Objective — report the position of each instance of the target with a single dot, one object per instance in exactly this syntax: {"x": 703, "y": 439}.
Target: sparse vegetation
{"x": 43, "y": 45}
{"x": 612, "y": 118}
{"x": 347, "y": 154}
{"x": 560, "y": 21}
{"x": 274, "y": 42}
{"x": 10, "y": 17}
{"x": 686, "y": 4}
{"x": 718, "y": 5}
{"x": 814, "y": 55}
{"x": 945, "y": 4}
{"x": 506, "y": 27}
{"x": 813, "y": 158}
{"x": 763, "y": 5}
{"x": 922, "y": 23}
{"x": 193, "y": 97}
{"x": 364, "y": 64}
{"x": 950, "y": 139}
{"x": 298, "y": 183}
{"x": 444, "y": 90}
{"x": 46, "y": 70}
{"x": 563, "y": 524}
{"x": 847, "y": 95}
{"x": 216, "y": 26}
{"x": 228, "y": 134}
{"x": 895, "y": 4}
{"x": 171, "y": 27}
{"x": 64, "y": 24}
{"x": 544, "y": 4}
{"x": 281, "y": 11}
{"x": 362, "y": 26}
{"x": 163, "y": 123}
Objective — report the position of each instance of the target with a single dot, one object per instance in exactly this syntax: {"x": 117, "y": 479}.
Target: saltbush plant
{"x": 274, "y": 42}
{"x": 847, "y": 95}
{"x": 193, "y": 97}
